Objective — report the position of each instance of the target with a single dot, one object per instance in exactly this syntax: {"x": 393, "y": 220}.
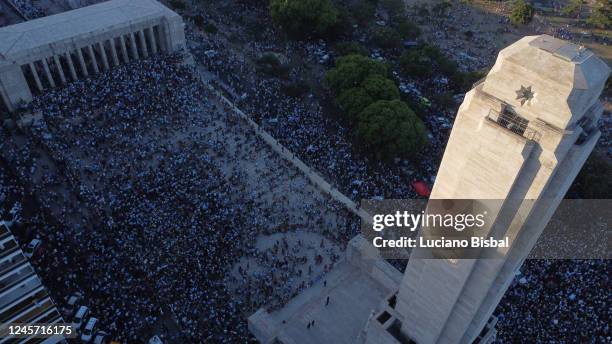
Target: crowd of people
{"x": 148, "y": 183}
{"x": 557, "y": 301}
{"x": 304, "y": 125}
{"x": 291, "y": 263}
{"x": 28, "y": 9}
{"x": 153, "y": 198}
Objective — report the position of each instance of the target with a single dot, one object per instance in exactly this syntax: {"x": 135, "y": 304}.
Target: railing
{"x": 515, "y": 124}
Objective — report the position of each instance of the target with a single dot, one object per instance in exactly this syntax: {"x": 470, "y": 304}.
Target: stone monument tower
{"x": 520, "y": 137}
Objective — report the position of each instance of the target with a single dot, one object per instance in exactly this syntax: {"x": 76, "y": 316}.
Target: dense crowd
{"x": 29, "y": 9}
{"x": 154, "y": 202}
{"x": 557, "y": 301}
{"x": 149, "y": 185}
{"x": 302, "y": 124}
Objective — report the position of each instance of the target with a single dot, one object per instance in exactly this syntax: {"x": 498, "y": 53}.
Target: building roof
{"x": 23, "y": 298}
{"x": 20, "y": 38}
{"x": 564, "y": 79}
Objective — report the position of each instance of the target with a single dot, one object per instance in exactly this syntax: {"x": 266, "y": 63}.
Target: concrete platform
{"x": 354, "y": 294}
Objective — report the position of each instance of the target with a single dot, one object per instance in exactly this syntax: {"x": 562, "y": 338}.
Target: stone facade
{"x": 520, "y": 136}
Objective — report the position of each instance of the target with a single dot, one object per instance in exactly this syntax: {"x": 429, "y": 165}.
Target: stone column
{"x": 73, "y": 73}
{"x": 114, "y": 51}
{"x": 94, "y": 61}
{"x": 82, "y": 62}
{"x": 126, "y": 59}
{"x": 48, "y": 72}
{"x": 174, "y": 33}
{"x": 60, "y": 69}
{"x": 143, "y": 42}
{"x": 151, "y": 34}
{"x": 103, "y": 54}
{"x": 134, "y": 46}
{"x": 36, "y": 78}
{"x": 14, "y": 88}
{"x": 163, "y": 38}
{"x": 5, "y": 99}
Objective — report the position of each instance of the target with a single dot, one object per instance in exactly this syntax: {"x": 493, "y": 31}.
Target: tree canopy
{"x": 572, "y": 8}
{"x": 408, "y": 30}
{"x": 425, "y": 60}
{"x": 347, "y": 48}
{"x": 602, "y": 14}
{"x": 522, "y": 13}
{"x": 351, "y": 71}
{"x": 391, "y": 129}
{"x": 371, "y": 102}
{"x": 364, "y": 10}
{"x": 386, "y": 37}
{"x": 353, "y": 101}
{"x": 300, "y": 18}
{"x": 380, "y": 88}
{"x": 374, "y": 88}
{"x": 395, "y": 8}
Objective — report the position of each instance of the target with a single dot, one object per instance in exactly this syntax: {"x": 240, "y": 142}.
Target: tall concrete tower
{"x": 520, "y": 136}
{"x": 519, "y": 140}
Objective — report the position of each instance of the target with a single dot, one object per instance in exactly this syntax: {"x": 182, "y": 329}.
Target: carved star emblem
{"x": 525, "y": 94}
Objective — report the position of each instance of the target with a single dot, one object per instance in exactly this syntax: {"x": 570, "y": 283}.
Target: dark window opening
{"x": 29, "y": 76}
{"x": 513, "y": 122}
{"x": 392, "y": 301}
{"x": 395, "y": 331}
{"x": 384, "y": 317}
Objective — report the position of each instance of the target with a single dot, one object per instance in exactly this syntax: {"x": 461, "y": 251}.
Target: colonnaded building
{"x": 521, "y": 136}
{"x": 46, "y": 52}
{"x": 55, "y": 50}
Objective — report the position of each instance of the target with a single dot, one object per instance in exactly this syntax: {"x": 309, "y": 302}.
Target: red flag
{"x": 421, "y": 188}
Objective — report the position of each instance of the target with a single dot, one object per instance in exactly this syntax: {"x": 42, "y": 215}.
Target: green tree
{"x": 386, "y": 37}
{"x": 391, "y": 129}
{"x": 353, "y": 101}
{"x": 408, "y": 30}
{"x": 271, "y": 65}
{"x": 300, "y": 18}
{"x": 380, "y": 88}
{"x": 374, "y": 88}
{"x": 347, "y": 48}
{"x": 210, "y": 28}
{"x": 364, "y": 10}
{"x": 344, "y": 23}
{"x": 602, "y": 14}
{"x": 522, "y": 13}
{"x": 572, "y": 8}
{"x": 425, "y": 60}
{"x": 351, "y": 71}
{"x": 463, "y": 81}
{"x": 395, "y": 8}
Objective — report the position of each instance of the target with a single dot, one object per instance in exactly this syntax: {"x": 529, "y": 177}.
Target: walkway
{"x": 311, "y": 174}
